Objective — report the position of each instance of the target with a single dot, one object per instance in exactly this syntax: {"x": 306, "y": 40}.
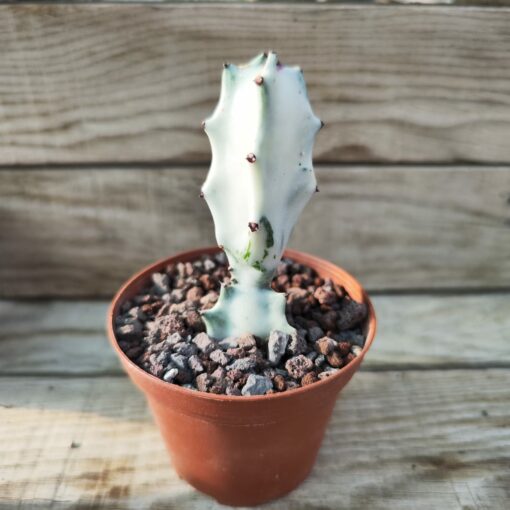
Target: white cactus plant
{"x": 261, "y": 177}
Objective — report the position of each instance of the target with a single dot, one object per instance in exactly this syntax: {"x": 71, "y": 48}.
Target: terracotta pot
{"x": 242, "y": 450}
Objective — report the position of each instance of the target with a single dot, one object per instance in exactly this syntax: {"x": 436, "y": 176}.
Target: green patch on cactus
{"x": 247, "y": 253}
{"x": 258, "y": 265}
{"x": 266, "y": 253}
{"x": 269, "y": 231}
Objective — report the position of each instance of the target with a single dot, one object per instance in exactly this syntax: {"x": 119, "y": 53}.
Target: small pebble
{"x": 246, "y": 341}
{"x": 335, "y": 360}
{"x": 160, "y": 281}
{"x": 344, "y": 348}
{"x": 328, "y": 372}
{"x": 276, "y": 346}
{"x": 297, "y": 344}
{"x": 204, "y": 343}
{"x": 243, "y": 364}
{"x": 219, "y": 357}
{"x": 356, "y": 350}
{"x": 257, "y": 385}
{"x": 279, "y": 383}
{"x": 298, "y": 366}
{"x": 179, "y": 361}
{"x": 204, "y": 382}
{"x": 351, "y": 314}
{"x": 173, "y": 339}
{"x": 228, "y": 343}
{"x": 130, "y": 331}
{"x": 319, "y": 360}
{"x": 309, "y": 378}
{"x": 170, "y": 375}
{"x": 233, "y": 391}
{"x": 219, "y": 373}
{"x": 325, "y": 345}
{"x": 315, "y": 333}
{"x": 209, "y": 265}
{"x": 195, "y": 364}
{"x": 185, "y": 348}
{"x": 194, "y": 294}
{"x": 312, "y": 355}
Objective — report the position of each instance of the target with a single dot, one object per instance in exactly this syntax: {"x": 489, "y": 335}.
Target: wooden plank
{"x": 397, "y": 440}
{"x": 425, "y": 332}
{"x": 132, "y": 83}
{"x": 82, "y": 232}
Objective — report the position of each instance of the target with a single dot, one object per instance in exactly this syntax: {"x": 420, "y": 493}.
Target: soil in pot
{"x": 161, "y": 330}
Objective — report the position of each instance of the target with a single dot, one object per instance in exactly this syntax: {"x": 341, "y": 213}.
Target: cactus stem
{"x": 272, "y": 128}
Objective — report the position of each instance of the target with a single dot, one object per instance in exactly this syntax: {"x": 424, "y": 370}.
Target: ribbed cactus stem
{"x": 261, "y": 177}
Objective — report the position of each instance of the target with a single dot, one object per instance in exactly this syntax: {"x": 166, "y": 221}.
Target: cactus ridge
{"x": 261, "y": 177}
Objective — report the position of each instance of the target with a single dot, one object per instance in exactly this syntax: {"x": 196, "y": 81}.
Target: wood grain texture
{"x": 124, "y": 83}
{"x": 83, "y": 232}
{"x": 425, "y": 332}
{"x": 397, "y": 440}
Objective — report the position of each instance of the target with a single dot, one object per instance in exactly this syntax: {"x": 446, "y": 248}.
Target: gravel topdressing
{"x": 161, "y": 330}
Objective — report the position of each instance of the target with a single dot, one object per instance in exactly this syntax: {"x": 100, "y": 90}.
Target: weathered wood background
{"x": 101, "y": 161}
{"x": 102, "y": 155}
{"x": 132, "y": 83}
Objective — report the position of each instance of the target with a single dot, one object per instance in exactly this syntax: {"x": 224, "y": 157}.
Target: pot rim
{"x": 185, "y": 392}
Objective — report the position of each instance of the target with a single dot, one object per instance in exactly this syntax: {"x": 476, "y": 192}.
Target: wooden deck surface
{"x": 425, "y": 424}
{"x": 101, "y": 161}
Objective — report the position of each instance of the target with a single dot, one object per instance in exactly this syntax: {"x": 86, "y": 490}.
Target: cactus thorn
{"x": 322, "y": 124}
{"x": 264, "y": 54}
{"x": 317, "y": 189}
{"x": 251, "y": 158}
{"x": 253, "y": 226}
{"x": 201, "y": 195}
{"x": 203, "y": 124}
{"x": 226, "y": 65}
{"x": 220, "y": 246}
{"x": 259, "y": 80}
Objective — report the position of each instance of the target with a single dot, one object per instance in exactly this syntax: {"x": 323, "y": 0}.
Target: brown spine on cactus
{"x": 251, "y": 158}
{"x": 253, "y": 226}
{"x": 259, "y": 80}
